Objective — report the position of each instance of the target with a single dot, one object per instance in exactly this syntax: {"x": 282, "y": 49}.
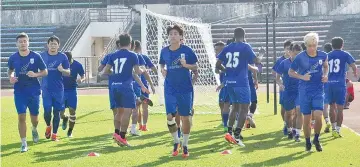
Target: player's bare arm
{"x": 147, "y": 77}
{"x": 12, "y": 77}
{"x": 294, "y": 74}
{"x": 219, "y": 65}
{"x": 194, "y": 76}
{"x": 163, "y": 70}
{"x": 188, "y": 66}
{"x": 325, "y": 71}
{"x": 138, "y": 80}
{"x": 138, "y": 70}
{"x": 354, "y": 69}
{"x": 107, "y": 69}
{"x": 279, "y": 82}
{"x": 37, "y": 74}
{"x": 101, "y": 67}
{"x": 65, "y": 72}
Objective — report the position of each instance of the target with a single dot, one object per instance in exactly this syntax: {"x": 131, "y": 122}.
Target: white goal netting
{"x": 197, "y": 35}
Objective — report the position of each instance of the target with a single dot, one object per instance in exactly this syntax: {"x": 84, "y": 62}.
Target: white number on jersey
{"x": 120, "y": 61}
{"x": 334, "y": 65}
{"x": 233, "y": 59}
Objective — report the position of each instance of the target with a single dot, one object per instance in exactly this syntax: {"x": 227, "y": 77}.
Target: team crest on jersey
{"x": 320, "y": 62}
{"x": 32, "y": 61}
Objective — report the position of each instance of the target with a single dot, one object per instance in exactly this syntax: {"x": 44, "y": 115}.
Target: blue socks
{"x": 47, "y": 116}
{"x": 308, "y": 140}
{"x": 316, "y": 137}
{"x": 56, "y": 121}
{"x": 225, "y": 118}
{"x": 179, "y": 132}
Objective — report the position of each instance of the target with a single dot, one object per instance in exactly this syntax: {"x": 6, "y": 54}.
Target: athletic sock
{"x": 316, "y": 137}
{"x": 179, "y": 132}
{"x": 333, "y": 125}
{"x": 117, "y": 131}
{"x": 133, "y": 128}
{"x": 23, "y": 142}
{"x": 338, "y": 128}
{"x": 175, "y": 136}
{"x": 122, "y": 135}
{"x": 327, "y": 120}
{"x": 225, "y": 118}
{"x": 308, "y": 140}
{"x": 186, "y": 139}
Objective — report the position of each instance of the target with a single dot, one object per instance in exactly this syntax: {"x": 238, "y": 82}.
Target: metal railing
{"x": 95, "y": 15}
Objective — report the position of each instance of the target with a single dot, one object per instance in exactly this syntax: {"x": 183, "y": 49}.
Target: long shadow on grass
{"x": 280, "y": 160}
{"x": 102, "y": 144}
{"x": 87, "y": 114}
{"x": 16, "y": 147}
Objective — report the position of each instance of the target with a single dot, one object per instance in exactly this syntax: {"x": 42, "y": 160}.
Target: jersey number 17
{"x": 119, "y": 65}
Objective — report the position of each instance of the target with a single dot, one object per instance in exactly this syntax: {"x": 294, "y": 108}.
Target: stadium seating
{"x": 51, "y": 4}
{"x": 38, "y": 37}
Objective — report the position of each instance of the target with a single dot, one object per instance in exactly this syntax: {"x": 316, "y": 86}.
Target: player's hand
{"x": 79, "y": 80}
{"x": 183, "y": 61}
{"x": 13, "y": 80}
{"x": 60, "y": 68}
{"x": 31, "y": 74}
{"x": 163, "y": 72}
{"x": 282, "y": 87}
{"x": 256, "y": 84}
{"x": 306, "y": 77}
{"x": 153, "y": 89}
{"x": 219, "y": 87}
{"x": 324, "y": 78}
{"x": 145, "y": 90}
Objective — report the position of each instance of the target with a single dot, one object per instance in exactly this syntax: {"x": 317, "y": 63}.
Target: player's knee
{"x": 318, "y": 113}
{"x": 172, "y": 125}
{"x": 22, "y": 117}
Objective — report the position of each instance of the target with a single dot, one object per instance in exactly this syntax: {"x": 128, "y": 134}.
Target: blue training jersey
{"x": 303, "y": 63}
{"x": 54, "y": 80}
{"x": 148, "y": 64}
{"x": 123, "y": 62}
{"x": 104, "y": 62}
{"x": 178, "y": 78}
{"x": 141, "y": 63}
{"x": 338, "y": 61}
{"x": 291, "y": 84}
{"x": 236, "y": 57}
{"x": 277, "y": 63}
{"x": 70, "y": 82}
{"x": 21, "y": 66}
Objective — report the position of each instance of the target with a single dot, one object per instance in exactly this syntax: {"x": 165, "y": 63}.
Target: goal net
{"x": 197, "y": 35}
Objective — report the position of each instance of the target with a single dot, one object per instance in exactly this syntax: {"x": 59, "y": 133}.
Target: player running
{"x": 237, "y": 56}
{"x": 327, "y": 49}
{"x": 178, "y": 89}
{"x": 122, "y": 63}
{"x": 336, "y": 95}
{"x": 286, "y": 55}
{"x": 224, "y": 99}
{"x": 311, "y": 68}
{"x": 253, "y": 83}
{"x": 135, "y": 45}
{"x": 291, "y": 94}
{"x": 70, "y": 93}
{"x": 24, "y": 69}
{"x": 52, "y": 85}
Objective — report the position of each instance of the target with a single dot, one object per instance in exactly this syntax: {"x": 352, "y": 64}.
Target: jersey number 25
{"x": 232, "y": 59}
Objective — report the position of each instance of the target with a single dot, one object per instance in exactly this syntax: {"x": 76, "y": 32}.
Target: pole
{"x": 267, "y": 60}
{"x": 274, "y": 56}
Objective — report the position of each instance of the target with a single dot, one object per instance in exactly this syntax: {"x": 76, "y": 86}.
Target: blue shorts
{"x": 253, "y": 94}
{"x": 281, "y": 94}
{"x": 123, "y": 96}
{"x": 70, "y": 99}
{"x": 53, "y": 100}
{"x": 22, "y": 102}
{"x": 311, "y": 101}
{"x": 239, "y": 95}
{"x": 145, "y": 94}
{"x": 137, "y": 90}
{"x": 182, "y": 101}
{"x": 224, "y": 96}
{"x": 111, "y": 99}
{"x": 290, "y": 100}
{"x": 335, "y": 94}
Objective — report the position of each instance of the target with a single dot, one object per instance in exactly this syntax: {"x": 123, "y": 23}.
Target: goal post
{"x": 197, "y": 36}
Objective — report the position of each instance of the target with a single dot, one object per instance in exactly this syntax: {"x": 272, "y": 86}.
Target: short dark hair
{"x": 68, "y": 55}
{"x": 175, "y": 27}
{"x": 239, "y": 33}
{"x": 303, "y": 46}
{"x": 220, "y": 43}
{"x": 295, "y": 47}
{"x": 337, "y": 42}
{"x": 124, "y": 40}
{"x": 22, "y": 35}
{"x": 327, "y": 47}
{"x": 229, "y": 41}
{"x": 53, "y": 38}
{"x": 117, "y": 43}
{"x": 287, "y": 43}
{"x": 137, "y": 45}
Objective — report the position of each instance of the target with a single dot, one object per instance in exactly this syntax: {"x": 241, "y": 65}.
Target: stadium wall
{"x": 41, "y": 17}
{"x": 91, "y": 43}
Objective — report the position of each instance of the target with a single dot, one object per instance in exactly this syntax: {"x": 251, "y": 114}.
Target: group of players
{"x": 301, "y": 76}
{"x": 58, "y": 73}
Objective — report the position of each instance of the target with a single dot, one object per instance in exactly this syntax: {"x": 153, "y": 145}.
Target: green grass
{"x": 265, "y": 145}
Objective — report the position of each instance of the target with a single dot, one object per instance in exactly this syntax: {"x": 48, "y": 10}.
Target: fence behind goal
{"x": 197, "y": 35}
